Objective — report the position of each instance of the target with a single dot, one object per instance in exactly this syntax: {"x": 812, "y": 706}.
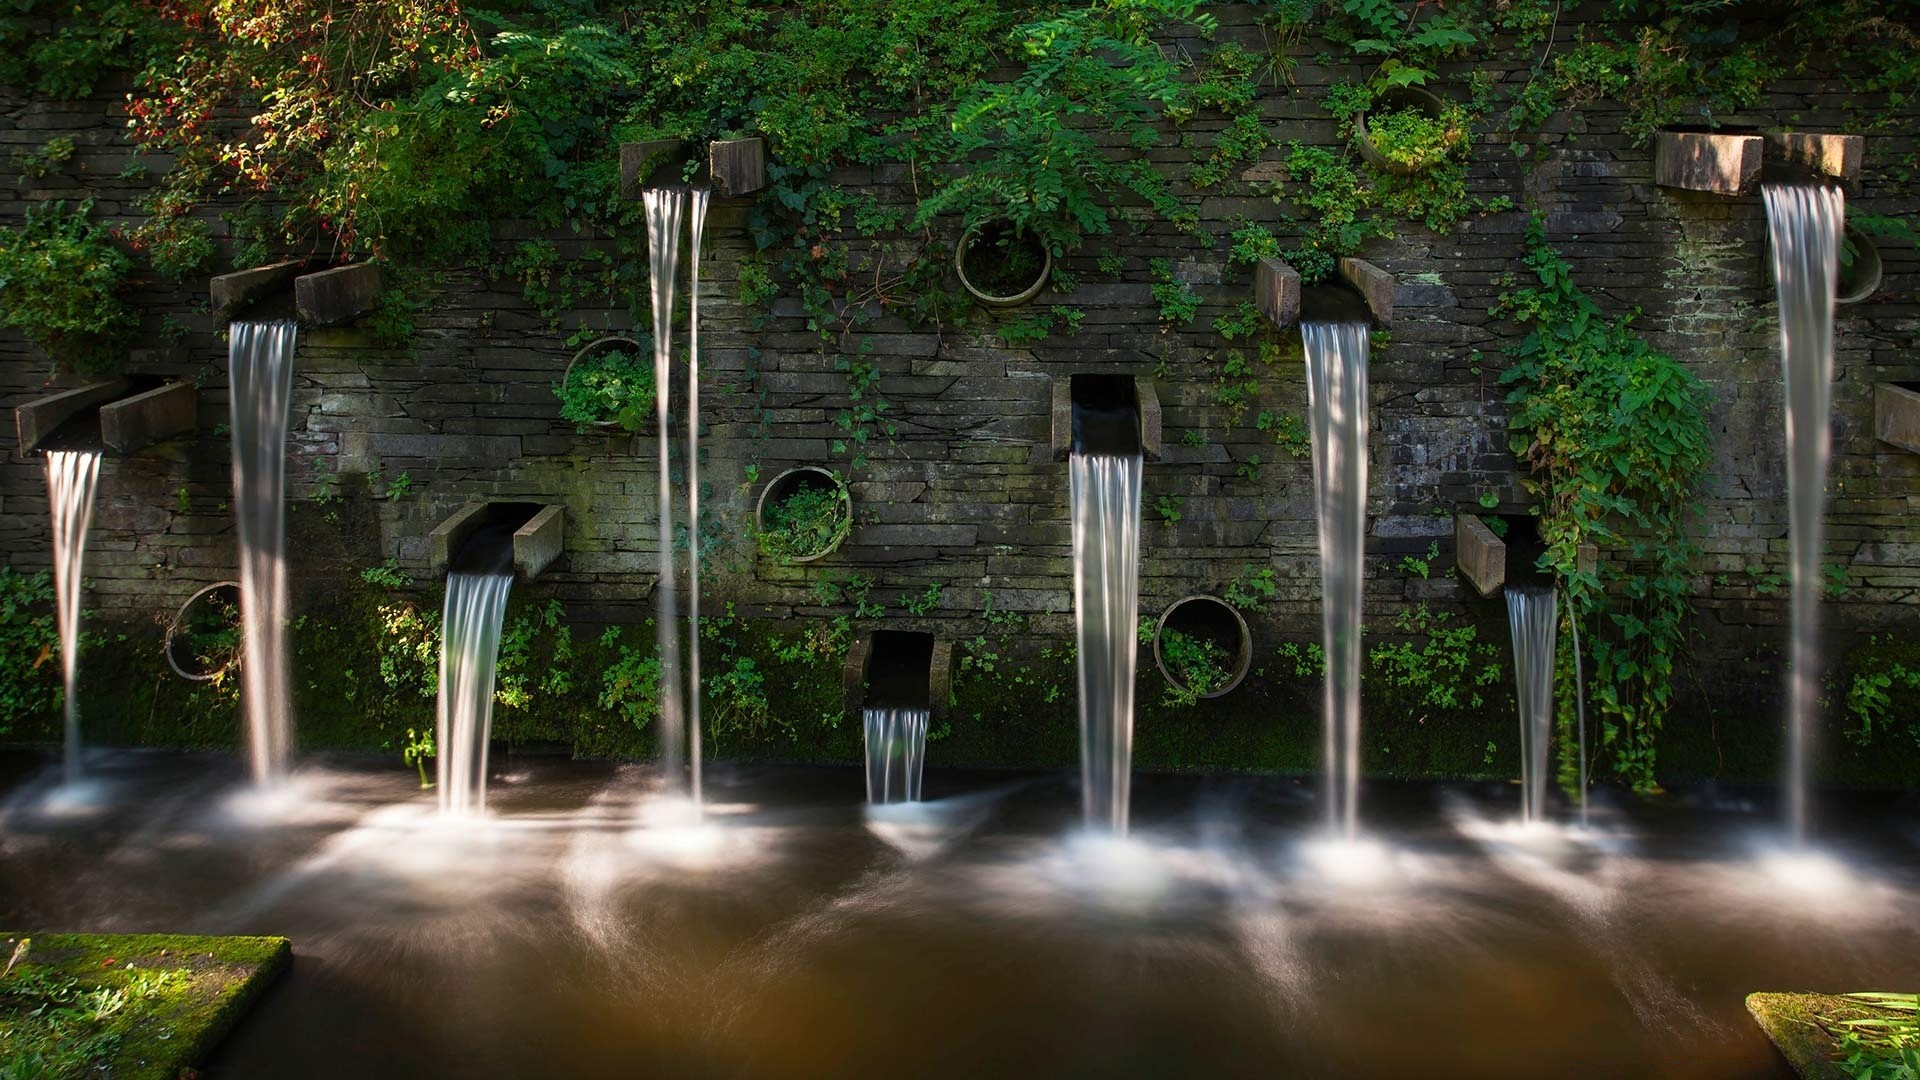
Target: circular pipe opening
{"x": 1001, "y": 266}
{"x": 1859, "y": 277}
{"x": 203, "y": 640}
{"x": 585, "y": 410}
{"x": 1403, "y": 99}
{"x": 803, "y": 515}
{"x": 1206, "y": 631}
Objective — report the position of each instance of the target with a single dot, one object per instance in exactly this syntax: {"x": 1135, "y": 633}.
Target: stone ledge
{"x": 1276, "y": 289}
{"x": 539, "y": 539}
{"x": 38, "y": 418}
{"x": 1716, "y": 162}
{"x": 232, "y": 293}
{"x": 1828, "y": 154}
{"x": 337, "y": 296}
{"x": 1896, "y": 415}
{"x": 137, "y": 422}
{"x": 1375, "y": 286}
{"x": 1481, "y": 556}
{"x": 642, "y": 161}
{"x": 739, "y": 166}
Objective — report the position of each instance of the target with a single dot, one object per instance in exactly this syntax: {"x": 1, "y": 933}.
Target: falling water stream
{"x": 666, "y": 211}
{"x": 1531, "y": 618}
{"x": 1336, "y": 356}
{"x": 896, "y": 752}
{"x": 71, "y": 478}
{"x": 260, "y": 370}
{"x": 476, "y": 606}
{"x": 1103, "y": 498}
{"x": 1804, "y": 223}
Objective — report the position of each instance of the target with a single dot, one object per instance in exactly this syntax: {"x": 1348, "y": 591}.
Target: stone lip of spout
{"x": 122, "y": 415}
{"x": 1106, "y": 412}
{"x": 1490, "y": 563}
{"x": 328, "y": 296}
{"x": 535, "y": 531}
{"x": 898, "y": 669}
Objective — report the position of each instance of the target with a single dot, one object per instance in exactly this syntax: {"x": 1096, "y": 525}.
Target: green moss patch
{"x": 1807, "y": 1029}
{"x": 125, "y": 1005}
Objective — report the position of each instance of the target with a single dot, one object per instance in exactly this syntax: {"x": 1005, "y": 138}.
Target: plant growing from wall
{"x": 1882, "y": 690}
{"x": 805, "y": 522}
{"x": 29, "y": 649}
{"x": 1616, "y": 442}
{"x": 61, "y": 284}
{"x": 609, "y": 386}
{"x": 1196, "y": 666}
{"x": 1029, "y": 146}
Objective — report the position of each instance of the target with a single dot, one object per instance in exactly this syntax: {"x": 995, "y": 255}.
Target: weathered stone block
{"x": 1375, "y": 286}
{"x": 1146, "y": 400}
{"x": 1828, "y": 154}
{"x": 739, "y": 166}
{"x": 336, "y": 296}
{"x": 1896, "y": 415}
{"x": 1482, "y": 556}
{"x": 1717, "y": 162}
{"x": 642, "y": 161}
{"x": 539, "y": 542}
{"x": 134, "y": 423}
{"x": 232, "y": 293}
{"x": 1276, "y": 289}
{"x": 36, "y": 419}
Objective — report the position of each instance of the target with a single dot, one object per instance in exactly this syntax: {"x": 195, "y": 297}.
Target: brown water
{"x": 785, "y": 937}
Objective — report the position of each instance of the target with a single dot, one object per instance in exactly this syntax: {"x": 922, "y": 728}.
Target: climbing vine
{"x": 1615, "y": 438}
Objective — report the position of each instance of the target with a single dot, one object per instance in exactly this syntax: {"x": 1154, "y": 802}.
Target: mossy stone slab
{"x": 1789, "y": 1020}
{"x": 178, "y": 1031}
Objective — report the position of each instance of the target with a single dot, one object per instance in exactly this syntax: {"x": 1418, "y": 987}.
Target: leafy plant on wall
{"x": 1616, "y": 441}
{"x": 62, "y": 282}
{"x": 29, "y": 649}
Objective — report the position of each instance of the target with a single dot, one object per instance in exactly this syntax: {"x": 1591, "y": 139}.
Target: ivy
{"x": 29, "y": 649}
{"x": 1616, "y": 441}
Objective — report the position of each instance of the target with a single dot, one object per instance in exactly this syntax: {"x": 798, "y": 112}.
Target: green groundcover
{"x": 127, "y": 1006}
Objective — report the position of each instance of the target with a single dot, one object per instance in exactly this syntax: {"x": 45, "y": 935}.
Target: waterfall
{"x": 896, "y": 752}
{"x": 1103, "y": 497}
{"x": 260, "y": 370}
{"x": 469, "y": 651}
{"x": 1531, "y": 618}
{"x": 1336, "y": 356}
{"x": 71, "y": 477}
{"x": 666, "y": 211}
{"x": 1804, "y": 227}
{"x": 696, "y": 224}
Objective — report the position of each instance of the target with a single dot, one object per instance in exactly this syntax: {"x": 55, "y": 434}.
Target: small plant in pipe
{"x": 610, "y": 386}
{"x": 61, "y": 280}
{"x": 1196, "y": 666}
{"x": 806, "y": 522}
{"x": 209, "y": 633}
{"x": 1027, "y": 151}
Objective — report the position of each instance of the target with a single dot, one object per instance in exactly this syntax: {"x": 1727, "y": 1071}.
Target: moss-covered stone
{"x": 205, "y": 985}
{"x": 1792, "y": 1021}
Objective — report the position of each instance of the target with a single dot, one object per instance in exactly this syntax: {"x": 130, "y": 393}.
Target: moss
{"x": 1791, "y": 1021}
{"x": 160, "y": 1035}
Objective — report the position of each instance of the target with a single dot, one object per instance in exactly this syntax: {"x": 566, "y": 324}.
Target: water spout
{"x": 1336, "y": 359}
{"x": 470, "y": 627}
{"x": 260, "y": 370}
{"x": 71, "y": 479}
{"x": 1531, "y": 619}
{"x": 1803, "y": 225}
{"x": 1103, "y": 498}
{"x": 896, "y": 752}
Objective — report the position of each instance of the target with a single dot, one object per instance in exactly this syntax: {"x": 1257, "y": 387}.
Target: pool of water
{"x": 588, "y": 928}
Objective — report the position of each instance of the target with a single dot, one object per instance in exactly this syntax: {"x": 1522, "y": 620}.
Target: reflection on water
{"x": 590, "y": 926}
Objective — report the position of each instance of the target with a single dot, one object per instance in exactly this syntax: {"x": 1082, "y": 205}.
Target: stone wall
{"x": 965, "y": 493}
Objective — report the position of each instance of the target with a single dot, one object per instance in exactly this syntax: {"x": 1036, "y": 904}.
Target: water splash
{"x": 71, "y": 478}
{"x": 896, "y": 752}
{"x": 665, "y": 210}
{"x": 1103, "y": 498}
{"x": 1532, "y": 622}
{"x": 476, "y": 606}
{"x": 260, "y": 370}
{"x": 1336, "y": 358}
{"x": 1803, "y": 225}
